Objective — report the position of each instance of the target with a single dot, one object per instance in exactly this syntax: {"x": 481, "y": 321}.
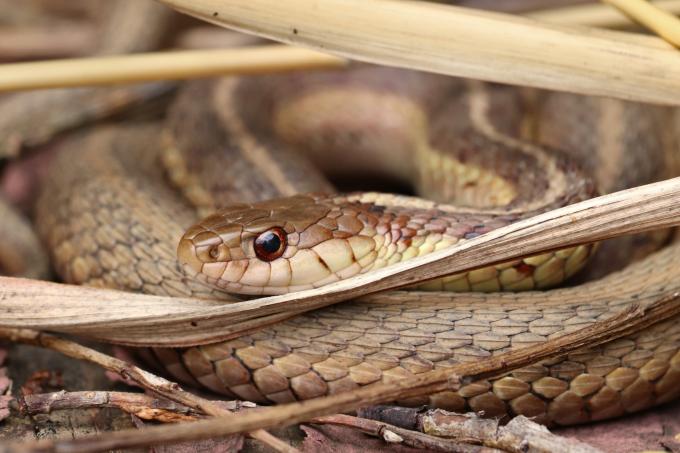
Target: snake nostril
{"x": 214, "y": 252}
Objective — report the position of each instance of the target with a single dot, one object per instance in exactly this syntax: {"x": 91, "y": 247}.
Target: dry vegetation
{"x": 589, "y": 61}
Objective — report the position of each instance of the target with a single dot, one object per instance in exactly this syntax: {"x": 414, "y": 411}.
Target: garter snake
{"x": 118, "y": 201}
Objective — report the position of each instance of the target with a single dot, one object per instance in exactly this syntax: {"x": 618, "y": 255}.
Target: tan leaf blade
{"x": 462, "y": 42}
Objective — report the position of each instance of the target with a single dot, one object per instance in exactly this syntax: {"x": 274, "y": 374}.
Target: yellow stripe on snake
{"x": 119, "y": 200}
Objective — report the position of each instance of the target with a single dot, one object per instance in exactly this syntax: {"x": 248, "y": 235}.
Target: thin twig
{"x": 141, "y": 405}
{"x": 161, "y": 66}
{"x": 398, "y": 435}
{"x": 156, "y": 384}
{"x": 632, "y": 320}
{"x": 520, "y": 435}
{"x": 651, "y": 16}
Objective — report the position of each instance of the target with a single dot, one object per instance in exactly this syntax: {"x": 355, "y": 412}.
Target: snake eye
{"x": 270, "y": 244}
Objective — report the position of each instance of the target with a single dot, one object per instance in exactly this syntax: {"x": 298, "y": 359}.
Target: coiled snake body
{"x": 118, "y": 201}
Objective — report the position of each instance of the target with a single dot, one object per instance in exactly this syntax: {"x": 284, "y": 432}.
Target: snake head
{"x": 276, "y": 246}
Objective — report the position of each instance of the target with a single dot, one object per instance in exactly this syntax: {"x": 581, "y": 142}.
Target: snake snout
{"x": 186, "y": 256}
{"x": 199, "y": 248}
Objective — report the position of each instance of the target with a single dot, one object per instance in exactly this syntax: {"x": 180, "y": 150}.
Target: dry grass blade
{"x": 595, "y": 15}
{"x": 137, "y": 319}
{"x": 462, "y": 42}
{"x": 651, "y": 16}
{"x": 161, "y": 66}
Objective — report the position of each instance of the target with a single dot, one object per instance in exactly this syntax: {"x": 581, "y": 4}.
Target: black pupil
{"x": 269, "y": 242}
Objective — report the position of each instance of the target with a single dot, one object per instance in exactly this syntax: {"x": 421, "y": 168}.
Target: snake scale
{"x": 119, "y": 199}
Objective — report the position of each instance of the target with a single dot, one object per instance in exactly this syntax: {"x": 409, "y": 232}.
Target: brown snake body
{"x": 111, "y": 219}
